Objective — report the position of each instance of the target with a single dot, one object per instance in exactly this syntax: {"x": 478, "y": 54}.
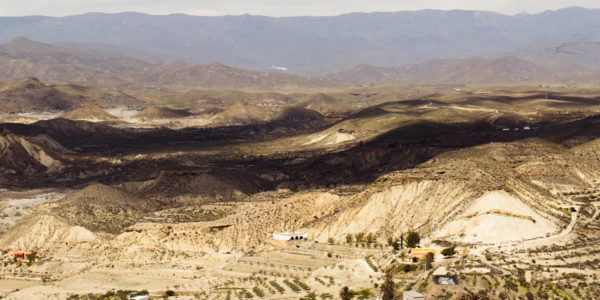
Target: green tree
{"x": 370, "y": 238}
{"x": 403, "y": 255}
{"x": 529, "y": 296}
{"x": 402, "y": 241}
{"x": 331, "y": 240}
{"x": 364, "y": 294}
{"x": 396, "y": 245}
{"x": 349, "y": 238}
{"x": 412, "y": 239}
{"x": 388, "y": 287}
{"x": 428, "y": 260}
{"x": 449, "y": 251}
{"x": 359, "y": 237}
{"x": 346, "y": 293}
{"x": 309, "y": 296}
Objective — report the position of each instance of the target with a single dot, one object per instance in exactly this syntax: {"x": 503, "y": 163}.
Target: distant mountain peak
{"x": 30, "y": 83}
{"x": 218, "y": 65}
{"x": 21, "y": 40}
{"x": 22, "y": 43}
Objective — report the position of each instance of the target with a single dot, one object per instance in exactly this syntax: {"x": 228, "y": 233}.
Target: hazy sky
{"x": 274, "y": 7}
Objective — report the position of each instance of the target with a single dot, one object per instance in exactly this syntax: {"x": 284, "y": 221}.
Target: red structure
{"x": 20, "y": 255}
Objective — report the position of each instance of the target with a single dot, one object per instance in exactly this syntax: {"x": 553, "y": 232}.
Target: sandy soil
{"x": 16, "y": 205}
{"x": 498, "y": 217}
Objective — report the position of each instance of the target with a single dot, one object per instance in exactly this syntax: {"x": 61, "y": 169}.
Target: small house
{"x": 417, "y": 254}
{"x": 21, "y": 255}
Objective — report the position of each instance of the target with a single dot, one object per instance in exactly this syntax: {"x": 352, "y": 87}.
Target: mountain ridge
{"x": 313, "y": 45}
{"x": 22, "y": 57}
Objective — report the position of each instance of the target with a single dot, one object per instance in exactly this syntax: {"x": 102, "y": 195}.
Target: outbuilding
{"x": 412, "y": 295}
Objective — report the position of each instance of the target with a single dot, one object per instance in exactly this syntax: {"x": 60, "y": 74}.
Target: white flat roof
{"x": 413, "y": 293}
{"x": 288, "y": 234}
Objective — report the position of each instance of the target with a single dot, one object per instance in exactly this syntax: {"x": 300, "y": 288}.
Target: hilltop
{"x": 31, "y": 95}
{"x": 99, "y": 207}
{"x": 326, "y": 105}
{"x": 88, "y": 113}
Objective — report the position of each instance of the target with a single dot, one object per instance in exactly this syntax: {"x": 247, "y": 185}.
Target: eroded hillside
{"x": 494, "y": 171}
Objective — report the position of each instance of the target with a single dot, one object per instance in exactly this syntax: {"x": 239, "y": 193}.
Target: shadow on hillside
{"x": 399, "y": 149}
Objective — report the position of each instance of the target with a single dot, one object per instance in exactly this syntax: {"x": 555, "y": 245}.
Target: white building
{"x": 286, "y": 236}
{"x": 412, "y": 295}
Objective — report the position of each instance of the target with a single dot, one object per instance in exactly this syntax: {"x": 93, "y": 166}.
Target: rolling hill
{"x": 88, "y": 113}
{"x": 472, "y": 70}
{"x": 565, "y": 56}
{"x": 31, "y": 95}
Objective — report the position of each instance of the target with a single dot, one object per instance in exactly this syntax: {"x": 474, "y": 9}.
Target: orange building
{"x": 20, "y": 255}
{"x": 417, "y": 254}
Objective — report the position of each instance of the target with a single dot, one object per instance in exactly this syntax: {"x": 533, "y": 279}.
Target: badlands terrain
{"x": 180, "y": 190}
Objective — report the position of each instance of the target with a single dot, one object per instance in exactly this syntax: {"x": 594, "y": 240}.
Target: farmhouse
{"x": 417, "y": 254}
{"x": 286, "y": 236}
{"x": 20, "y": 255}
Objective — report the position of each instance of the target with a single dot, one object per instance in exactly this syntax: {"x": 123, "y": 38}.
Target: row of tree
{"x": 412, "y": 239}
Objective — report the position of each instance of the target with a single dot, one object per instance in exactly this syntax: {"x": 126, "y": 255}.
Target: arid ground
{"x": 182, "y": 189}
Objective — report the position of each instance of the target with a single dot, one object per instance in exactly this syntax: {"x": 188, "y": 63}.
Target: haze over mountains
{"x": 22, "y": 57}
{"x": 564, "y": 63}
{"x": 310, "y": 45}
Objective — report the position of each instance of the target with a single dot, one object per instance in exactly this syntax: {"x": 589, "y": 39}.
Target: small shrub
{"x": 277, "y": 286}
{"x": 258, "y": 292}
{"x": 303, "y": 285}
{"x": 292, "y": 286}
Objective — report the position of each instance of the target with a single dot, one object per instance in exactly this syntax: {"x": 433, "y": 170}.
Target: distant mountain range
{"x": 21, "y": 58}
{"x": 564, "y": 63}
{"x": 311, "y": 45}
